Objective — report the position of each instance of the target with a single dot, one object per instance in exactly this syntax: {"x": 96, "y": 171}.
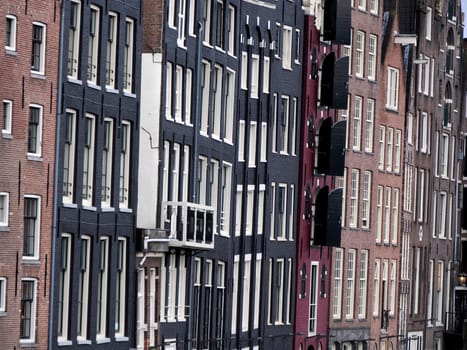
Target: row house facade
{"x": 433, "y": 168}
{"x": 28, "y": 64}
{"x": 93, "y": 242}
{"x": 322, "y": 155}
{"x": 217, "y": 224}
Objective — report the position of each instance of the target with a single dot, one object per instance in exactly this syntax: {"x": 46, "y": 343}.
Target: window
{"x": 428, "y": 17}
{"x": 120, "y": 290}
{"x": 35, "y": 130}
{"x": 283, "y": 127}
{"x": 74, "y": 31}
{"x": 38, "y": 48}
{"x": 102, "y": 288}
{"x": 297, "y": 46}
{"x": 416, "y": 292}
{"x": 254, "y": 76}
{"x": 424, "y": 133}
{"x": 313, "y": 312}
{"x": 107, "y": 164}
{"x": 7, "y": 116}
{"x": 205, "y": 92}
{"x": 235, "y": 294}
{"x": 64, "y": 288}
{"x": 264, "y": 142}
{"x": 287, "y": 47}
{"x": 395, "y": 215}
{"x": 188, "y": 95}
{"x": 84, "y": 287}
{"x": 347, "y": 51}
{"x": 246, "y": 303}
{"x": 376, "y": 288}
{"x": 171, "y": 14}
{"x": 370, "y": 117}
{"x": 252, "y": 145}
{"x": 93, "y": 48}
{"x": 220, "y": 30}
{"x": 359, "y": 54}
{"x": 279, "y": 292}
{"x": 354, "y": 190}
{"x": 392, "y": 288}
{"x": 281, "y": 211}
{"x": 217, "y": 103}
{"x": 363, "y": 284}
{"x": 88, "y": 159}
{"x": 362, "y": 5}
{"x": 444, "y": 155}
{"x": 231, "y": 30}
{"x": 168, "y": 92}
{"x": 439, "y": 293}
{"x": 392, "y": 89}
{"x": 241, "y": 140}
{"x": 442, "y": 214}
{"x": 357, "y": 124}
{"x": 421, "y": 197}
{"x": 128, "y": 68}
{"x": 350, "y": 287}
{"x": 372, "y": 49}
{"x": 28, "y": 311}
{"x": 111, "y": 53}
{"x": 3, "y": 289}
{"x": 387, "y": 214}
{"x": 125, "y": 164}
{"x": 262, "y": 190}
{"x": 178, "y": 93}
{"x": 366, "y": 199}
{"x": 10, "y": 33}
{"x": 229, "y": 104}
{"x": 272, "y": 210}
{"x": 337, "y": 288}
{"x": 181, "y": 23}
{"x": 397, "y": 152}
{"x": 382, "y": 146}
{"x": 390, "y": 144}
{"x": 220, "y": 303}
{"x": 69, "y": 156}
{"x": 207, "y": 22}
{"x": 31, "y": 227}
{"x": 374, "y": 7}
{"x": 430, "y": 282}
{"x": 379, "y": 214}
{"x": 4, "y": 210}
{"x": 226, "y": 197}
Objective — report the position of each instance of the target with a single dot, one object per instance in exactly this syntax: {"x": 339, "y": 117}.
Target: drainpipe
{"x": 195, "y": 156}
{"x": 56, "y": 167}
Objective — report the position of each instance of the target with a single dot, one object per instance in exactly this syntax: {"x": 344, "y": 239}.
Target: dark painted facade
{"x": 97, "y": 140}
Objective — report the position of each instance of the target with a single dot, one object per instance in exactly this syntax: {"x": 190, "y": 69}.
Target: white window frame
{"x": 444, "y": 155}
{"x": 439, "y": 293}
{"x": 226, "y": 198}
{"x": 93, "y": 44}
{"x": 246, "y": 282}
{"x": 39, "y": 67}
{"x": 376, "y": 287}
{"x": 3, "y": 292}
{"x": 286, "y": 47}
{"x": 64, "y": 289}
{"x": 231, "y": 30}
{"x": 11, "y": 38}
{"x": 74, "y": 33}
{"x": 33, "y": 309}
{"x": 397, "y": 151}
{"x": 390, "y": 149}
{"x": 429, "y": 300}
{"x": 372, "y": 52}
{"x": 350, "y": 285}
{"x": 363, "y": 284}
{"x": 359, "y": 53}
{"x": 357, "y": 124}
{"x": 354, "y": 192}
{"x": 178, "y": 115}
{"x": 395, "y": 215}
{"x": 125, "y": 159}
{"x": 392, "y": 89}
{"x": 252, "y": 140}
{"x": 337, "y": 284}
{"x": 4, "y": 208}
{"x": 428, "y": 19}
{"x": 217, "y": 101}
{"x": 129, "y": 48}
{"x": 254, "y": 82}
{"x": 205, "y": 96}
{"x": 369, "y": 124}
{"x": 379, "y": 214}
{"x": 84, "y": 287}
{"x": 392, "y": 288}
{"x": 107, "y": 162}
{"x": 121, "y": 287}
{"x": 102, "y": 291}
{"x": 366, "y": 199}
{"x": 37, "y": 227}
{"x": 387, "y": 215}
{"x": 88, "y": 159}
{"x": 266, "y": 73}
{"x": 424, "y": 132}
{"x": 111, "y": 54}
{"x": 37, "y": 152}
{"x": 69, "y": 158}
{"x": 382, "y": 147}
{"x": 313, "y": 302}
{"x": 229, "y": 106}
{"x": 7, "y": 117}
{"x": 374, "y": 7}
{"x": 181, "y": 23}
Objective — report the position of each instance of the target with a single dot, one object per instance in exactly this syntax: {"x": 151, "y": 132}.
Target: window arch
{"x": 450, "y": 52}
{"x": 447, "y": 105}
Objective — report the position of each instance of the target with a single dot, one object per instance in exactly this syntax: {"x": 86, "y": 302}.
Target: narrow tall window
{"x": 121, "y": 288}
{"x": 284, "y": 124}
{"x": 128, "y": 67}
{"x": 220, "y": 304}
{"x": 254, "y": 69}
{"x": 382, "y": 147}
{"x": 392, "y": 89}
{"x": 84, "y": 287}
{"x": 366, "y": 199}
{"x": 363, "y": 284}
{"x": 357, "y": 124}
{"x": 217, "y": 103}
{"x": 207, "y": 21}
{"x": 10, "y": 43}
{"x": 205, "y": 92}
{"x": 64, "y": 289}
{"x": 102, "y": 288}
{"x": 387, "y": 214}
{"x": 390, "y": 149}
{"x": 428, "y": 18}
{"x": 231, "y": 29}
{"x": 229, "y": 104}
{"x": 69, "y": 156}
{"x": 7, "y": 116}
{"x": 226, "y": 194}
{"x": 359, "y": 54}
{"x": 376, "y": 288}
{"x": 374, "y": 7}
{"x": 31, "y": 227}
{"x": 38, "y": 48}
{"x": 74, "y": 33}
{"x": 4, "y": 210}
{"x": 347, "y": 51}
{"x": 107, "y": 164}
{"x": 125, "y": 164}
{"x": 439, "y": 292}
{"x": 88, "y": 159}
{"x": 395, "y": 215}
{"x": 430, "y": 282}
{"x": 369, "y": 124}
{"x": 3, "y": 289}
{"x": 379, "y": 214}
{"x": 181, "y": 23}
{"x": 35, "y": 130}
{"x": 257, "y": 304}
{"x": 397, "y": 152}
{"x": 111, "y": 51}
{"x": 354, "y": 191}
{"x": 392, "y": 288}
{"x": 350, "y": 286}
{"x": 287, "y": 47}
{"x": 246, "y": 303}
{"x": 372, "y": 49}
{"x": 93, "y": 44}
{"x": 220, "y": 30}
{"x": 27, "y": 330}
{"x": 313, "y": 312}
{"x": 337, "y": 288}
{"x": 279, "y": 292}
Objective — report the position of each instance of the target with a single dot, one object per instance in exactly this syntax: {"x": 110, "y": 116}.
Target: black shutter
{"x": 337, "y": 21}
{"x": 324, "y": 146}
{"x": 337, "y": 152}
{"x": 327, "y": 80}
{"x": 333, "y": 236}
{"x": 320, "y": 219}
{"x": 341, "y": 82}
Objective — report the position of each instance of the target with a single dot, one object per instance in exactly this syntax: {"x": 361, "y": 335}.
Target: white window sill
{"x": 111, "y": 90}
{"x": 120, "y": 338}
{"x": 10, "y": 51}
{"x": 82, "y": 341}
{"x": 129, "y": 94}
{"x": 101, "y": 340}
{"x": 4, "y": 228}
{"x": 63, "y": 342}
{"x": 30, "y": 260}
{"x": 74, "y": 80}
{"x": 89, "y": 207}
{"x": 35, "y": 157}
{"x": 70, "y": 205}
{"x": 126, "y": 210}
{"x": 37, "y": 75}
{"x": 7, "y": 134}
{"x": 106, "y": 208}
{"x": 3, "y": 313}
{"x": 93, "y": 85}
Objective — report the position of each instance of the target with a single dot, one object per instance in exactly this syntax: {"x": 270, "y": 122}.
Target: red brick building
{"x": 28, "y": 73}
